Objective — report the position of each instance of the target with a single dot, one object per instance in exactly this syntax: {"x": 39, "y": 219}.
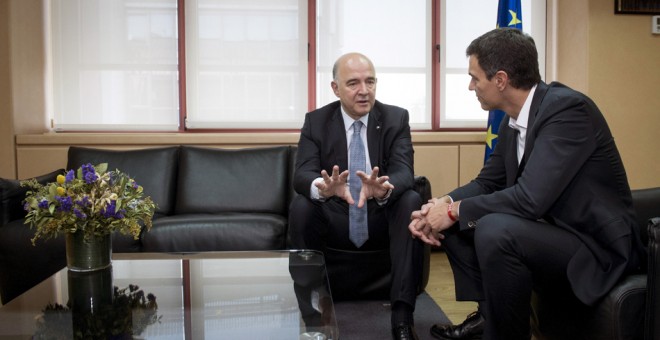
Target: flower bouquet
{"x": 87, "y": 206}
{"x": 91, "y": 200}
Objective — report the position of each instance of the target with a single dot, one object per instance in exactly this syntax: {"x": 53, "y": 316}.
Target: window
{"x": 114, "y": 64}
{"x": 395, "y": 35}
{"x": 122, "y": 64}
{"x": 246, "y": 63}
{"x": 461, "y": 24}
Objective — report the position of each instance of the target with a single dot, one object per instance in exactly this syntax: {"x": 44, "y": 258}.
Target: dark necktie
{"x": 358, "y": 227}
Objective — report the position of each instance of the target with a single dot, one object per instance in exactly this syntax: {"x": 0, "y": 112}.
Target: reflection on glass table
{"x": 223, "y": 295}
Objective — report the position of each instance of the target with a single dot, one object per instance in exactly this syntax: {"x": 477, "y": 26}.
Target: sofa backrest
{"x": 155, "y": 169}
{"x": 233, "y": 180}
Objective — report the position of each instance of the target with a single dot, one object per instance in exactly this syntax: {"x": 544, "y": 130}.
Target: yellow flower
{"x": 61, "y": 179}
{"x": 60, "y": 191}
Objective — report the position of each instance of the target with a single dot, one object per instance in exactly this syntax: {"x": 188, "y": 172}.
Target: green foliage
{"x": 92, "y": 200}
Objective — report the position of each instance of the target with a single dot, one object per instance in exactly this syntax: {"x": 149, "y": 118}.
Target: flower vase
{"x": 88, "y": 255}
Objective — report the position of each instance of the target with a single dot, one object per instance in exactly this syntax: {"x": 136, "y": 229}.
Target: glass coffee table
{"x": 215, "y": 295}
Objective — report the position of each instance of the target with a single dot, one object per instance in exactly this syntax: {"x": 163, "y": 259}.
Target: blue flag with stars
{"x": 509, "y": 14}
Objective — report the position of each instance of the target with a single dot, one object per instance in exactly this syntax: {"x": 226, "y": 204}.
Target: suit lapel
{"x": 337, "y": 136}
{"x": 511, "y": 153}
{"x": 541, "y": 90}
{"x": 374, "y": 131}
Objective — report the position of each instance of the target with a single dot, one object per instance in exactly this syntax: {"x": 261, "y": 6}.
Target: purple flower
{"x": 43, "y": 204}
{"x": 89, "y": 173}
{"x": 84, "y": 202}
{"x": 70, "y": 175}
{"x": 109, "y": 210}
{"x": 112, "y": 178}
{"x": 66, "y": 203}
{"x": 81, "y": 215}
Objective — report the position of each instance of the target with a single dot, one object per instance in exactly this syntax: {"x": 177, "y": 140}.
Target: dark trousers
{"x": 317, "y": 225}
{"x": 501, "y": 261}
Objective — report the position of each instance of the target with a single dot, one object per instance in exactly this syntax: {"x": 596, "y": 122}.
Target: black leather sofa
{"x": 630, "y": 311}
{"x": 208, "y": 199}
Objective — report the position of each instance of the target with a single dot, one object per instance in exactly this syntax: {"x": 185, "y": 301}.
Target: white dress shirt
{"x": 520, "y": 124}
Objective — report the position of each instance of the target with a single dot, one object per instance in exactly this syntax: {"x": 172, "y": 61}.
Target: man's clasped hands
{"x": 434, "y": 217}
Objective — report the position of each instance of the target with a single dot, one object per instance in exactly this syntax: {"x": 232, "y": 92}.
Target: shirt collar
{"x": 523, "y": 116}
{"x": 348, "y": 121}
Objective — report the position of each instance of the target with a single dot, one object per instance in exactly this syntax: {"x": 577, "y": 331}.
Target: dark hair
{"x": 509, "y": 50}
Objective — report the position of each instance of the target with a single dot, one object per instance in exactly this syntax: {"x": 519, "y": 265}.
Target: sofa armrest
{"x": 652, "y": 319}
{"x": 12, "y": 195}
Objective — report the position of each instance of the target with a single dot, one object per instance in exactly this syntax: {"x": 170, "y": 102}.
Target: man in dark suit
{"x": 550, "y": 210}
{"x": 319, "y": 216}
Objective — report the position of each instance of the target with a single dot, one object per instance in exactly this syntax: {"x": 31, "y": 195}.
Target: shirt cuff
{"x": 314, "y": 191}
{"x": 383, "y": 201}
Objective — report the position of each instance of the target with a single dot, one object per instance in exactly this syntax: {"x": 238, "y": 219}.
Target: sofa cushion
{"x": 155, "y": 169}
{"x": 12, "y": 195}
{"x": 216, "y": 232}
{"x": 242, "y": 180}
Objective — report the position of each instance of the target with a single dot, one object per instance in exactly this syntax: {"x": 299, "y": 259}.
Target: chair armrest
{"x": 652, "y": 319}
{"x": 423, "y": 187}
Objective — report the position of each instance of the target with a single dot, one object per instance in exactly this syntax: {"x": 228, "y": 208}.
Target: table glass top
{"x": 218, "y": 295}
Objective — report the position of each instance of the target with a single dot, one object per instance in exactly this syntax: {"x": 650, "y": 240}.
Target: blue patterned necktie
{"x": 358, "y": 229}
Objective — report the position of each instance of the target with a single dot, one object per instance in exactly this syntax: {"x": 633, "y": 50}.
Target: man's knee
{"x": 494, "y": 232}
{"x": 410, "y": 200}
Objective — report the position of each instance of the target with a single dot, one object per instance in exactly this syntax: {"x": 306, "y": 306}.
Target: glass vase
{"x": 88, "y": 255}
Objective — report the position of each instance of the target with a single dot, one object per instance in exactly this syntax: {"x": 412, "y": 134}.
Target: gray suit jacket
{"x": 572, "y": 176}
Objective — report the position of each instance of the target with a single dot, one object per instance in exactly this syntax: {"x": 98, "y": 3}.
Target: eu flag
{"x": 509, "y": 14}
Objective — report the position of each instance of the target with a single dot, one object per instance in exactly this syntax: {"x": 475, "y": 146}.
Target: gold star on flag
{"x": 490, "y": 136}
{"x": 514, "y": 18}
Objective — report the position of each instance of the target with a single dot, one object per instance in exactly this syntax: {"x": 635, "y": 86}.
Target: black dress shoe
{"x": 404, "y": 331}
{"x": 471, "y": 328}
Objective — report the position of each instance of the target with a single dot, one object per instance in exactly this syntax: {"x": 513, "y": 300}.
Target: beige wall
{"x": 571, "y": 28}
{"x": 7, "y": 165}
{"x": 624, "y": 74}
{"x": 22, "y": 65}
{"x": 612, "y": 58}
